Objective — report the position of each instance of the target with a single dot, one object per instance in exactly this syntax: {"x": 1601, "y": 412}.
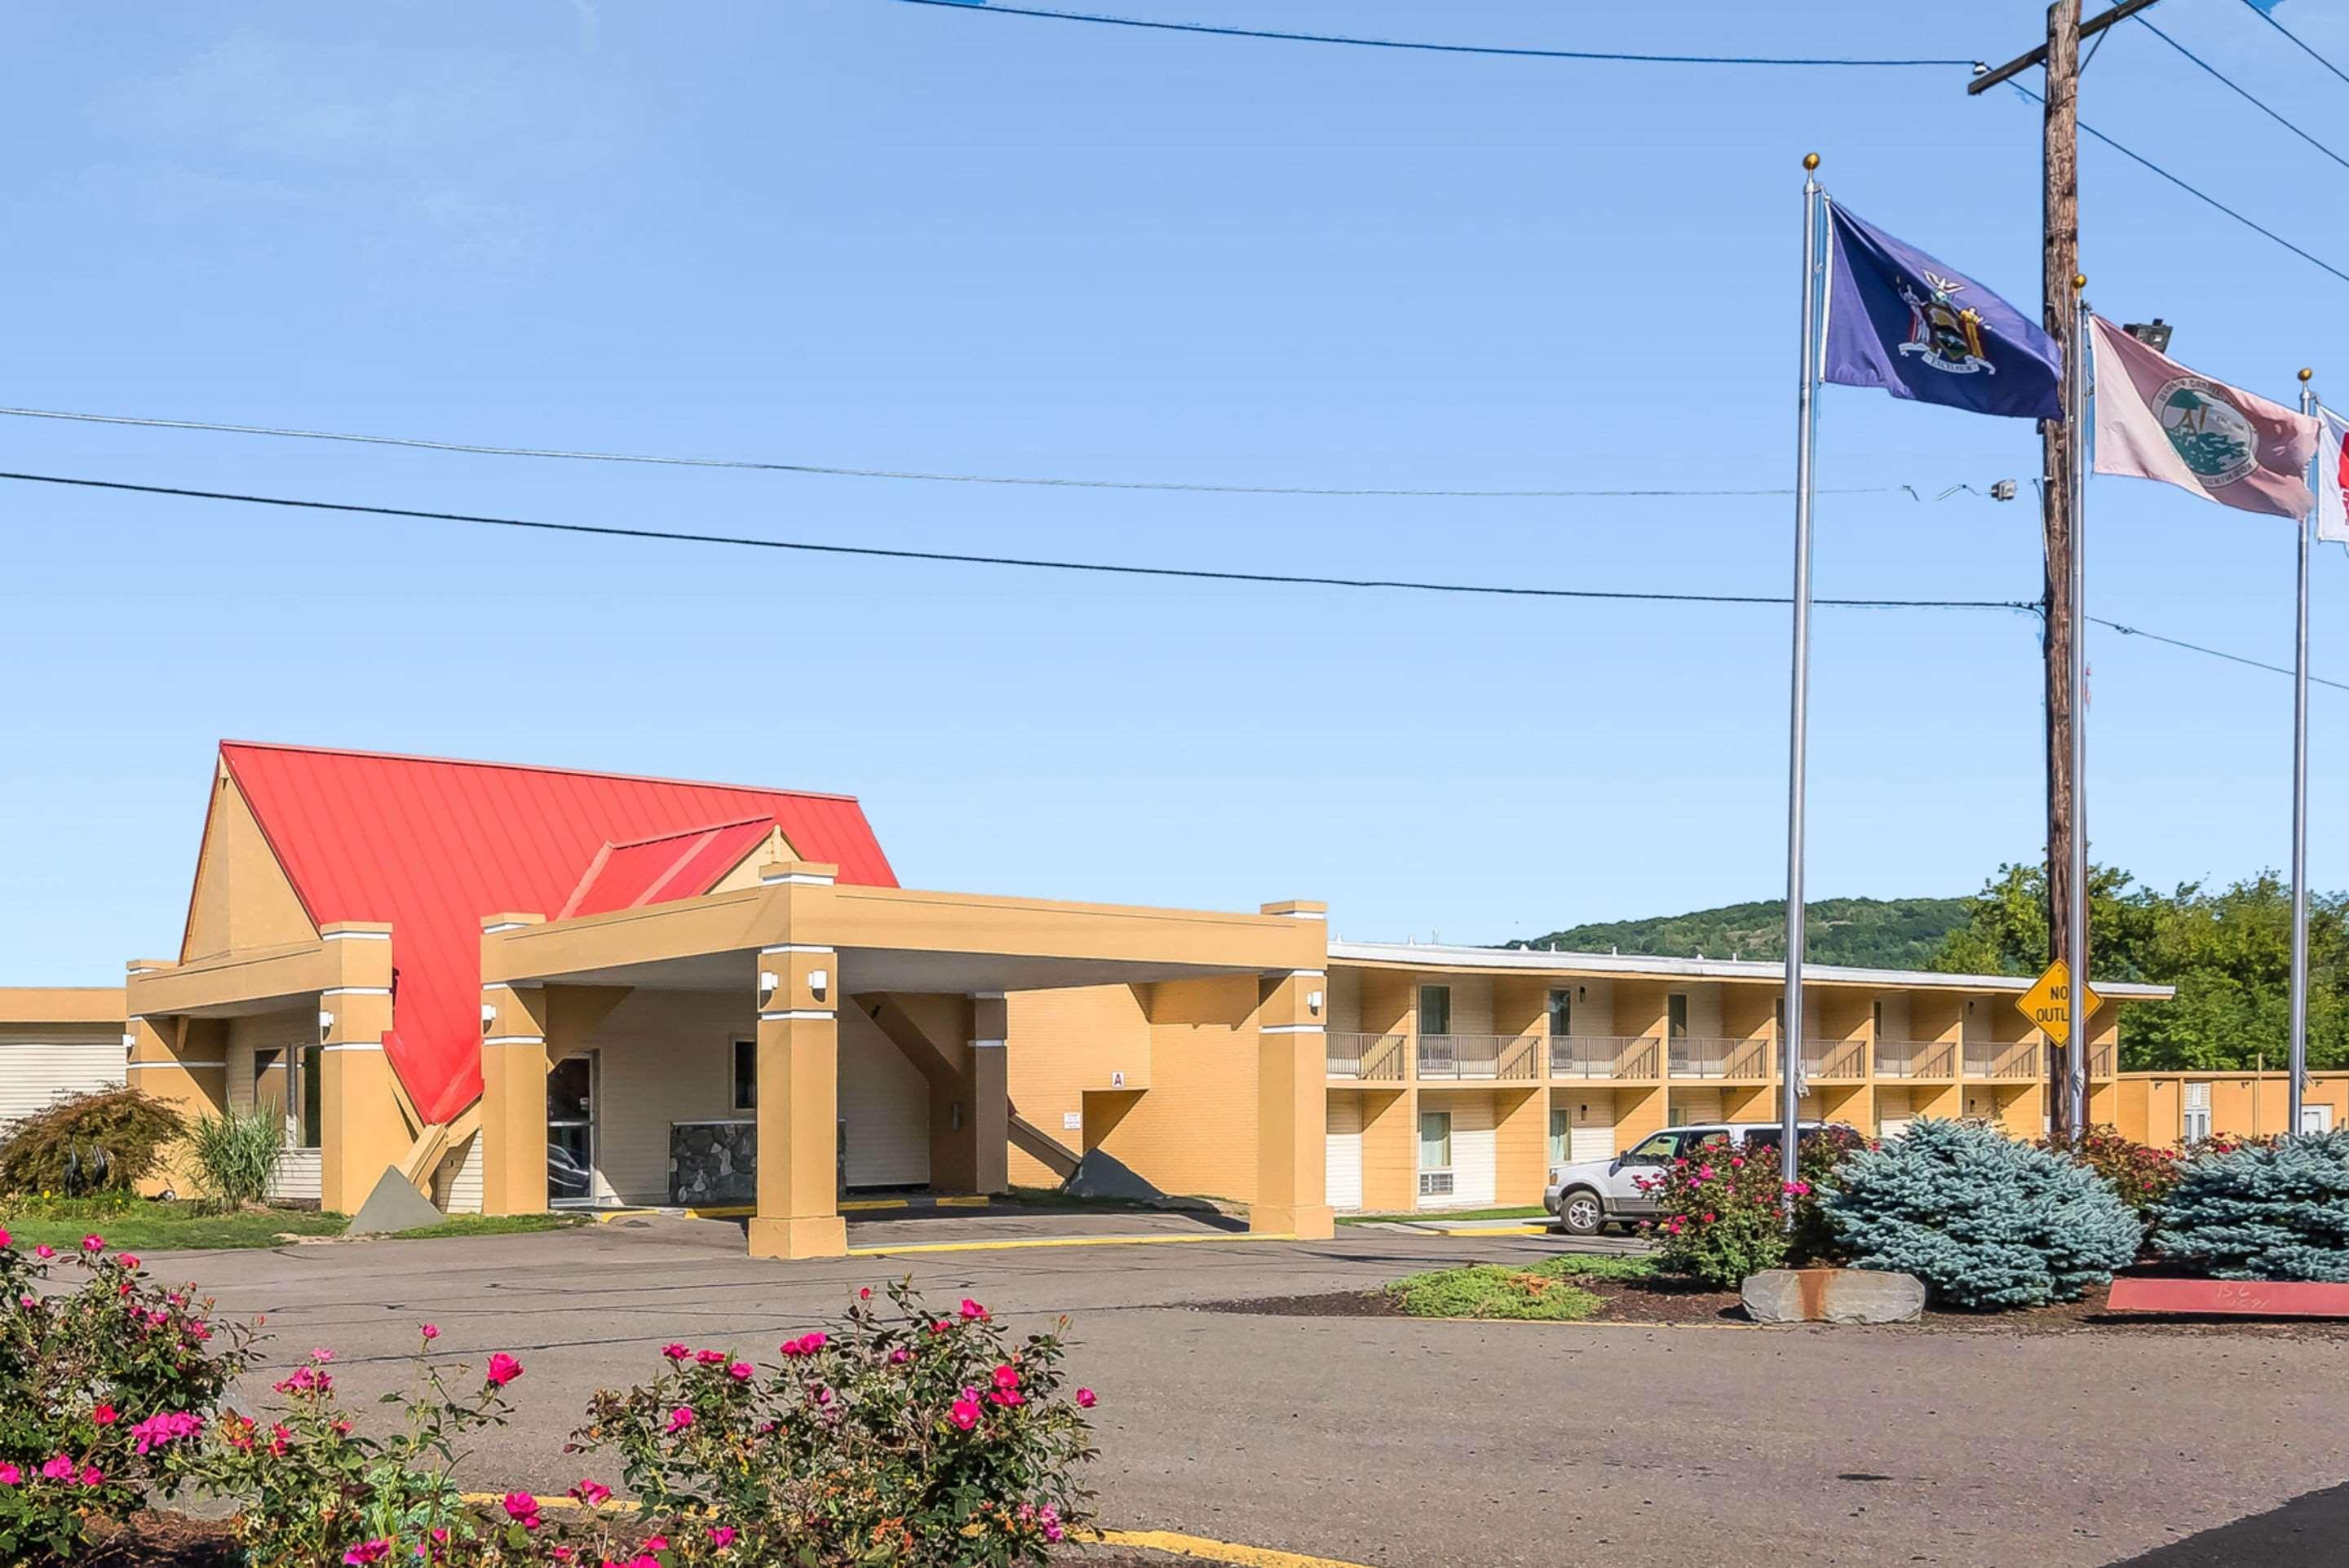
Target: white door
{"x": 1592, "y": 1134}
{"x": 1343, "y": 1158}
{"x": 1892, "y": 1112}
{"x": 1475, "y": 1154}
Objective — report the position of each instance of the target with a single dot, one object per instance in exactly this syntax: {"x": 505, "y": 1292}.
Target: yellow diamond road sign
{"x": 2048, "y": 1003}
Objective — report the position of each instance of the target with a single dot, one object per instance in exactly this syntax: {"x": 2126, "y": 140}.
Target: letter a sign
{"x": 2048, "y": 1003}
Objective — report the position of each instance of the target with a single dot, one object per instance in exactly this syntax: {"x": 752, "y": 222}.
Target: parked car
{"x": 1590, "y": 1194}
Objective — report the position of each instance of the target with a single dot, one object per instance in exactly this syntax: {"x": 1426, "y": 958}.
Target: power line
{"x": 2242, "y": 92}
{"x": 613, "y": 530}
{"x": 2269, "y": 17}
{"x": 1058, "y": 482}
{"x": 1361, "y": 43}
{"x": 2141, "y": 160}
{"x": 2021, "y": 606}
{"x": 2213, "y": 652}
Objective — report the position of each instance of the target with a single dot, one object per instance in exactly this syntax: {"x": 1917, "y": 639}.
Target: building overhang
{"x": 261, "y": 979}
{"x": 894, "y": 940}
{"x": 24, "y": 1005}
{"x": 1414, "y": 956}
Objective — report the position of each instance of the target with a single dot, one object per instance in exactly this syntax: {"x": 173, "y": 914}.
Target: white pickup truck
{"x": 1590, "y": 1195}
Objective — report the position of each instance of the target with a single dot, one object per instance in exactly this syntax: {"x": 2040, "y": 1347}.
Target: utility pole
{"x": 2059, "y": 271}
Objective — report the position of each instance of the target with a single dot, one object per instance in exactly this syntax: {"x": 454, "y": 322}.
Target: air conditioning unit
{"x": 1435, "y": 1183}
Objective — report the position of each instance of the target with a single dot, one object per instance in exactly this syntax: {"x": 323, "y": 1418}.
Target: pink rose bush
{"x": 108, "y": 1375}
{"x": 1719, "y": 1214}
{"x": 903, "y": 1438}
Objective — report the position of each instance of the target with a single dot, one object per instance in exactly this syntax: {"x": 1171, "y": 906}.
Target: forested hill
{"x": 1877, "y": 932}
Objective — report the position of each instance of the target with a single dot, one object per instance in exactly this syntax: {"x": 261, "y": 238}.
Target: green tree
{"x": 2227, "y": 952}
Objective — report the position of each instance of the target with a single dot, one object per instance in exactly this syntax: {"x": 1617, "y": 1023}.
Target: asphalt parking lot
{"x": 1414, "y": 1445}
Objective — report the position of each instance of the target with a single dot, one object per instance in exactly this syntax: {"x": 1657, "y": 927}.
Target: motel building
{"x": 521, "y": 987}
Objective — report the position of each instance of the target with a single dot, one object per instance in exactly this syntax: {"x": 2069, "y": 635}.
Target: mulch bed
{"x": 1666, "y": 1303}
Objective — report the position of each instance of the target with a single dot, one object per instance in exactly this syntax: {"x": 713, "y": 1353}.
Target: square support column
{"x": 513, "y": 1099}
{"x": 799, "y": 1105}
{"x": 362, "y": 1131}
{"x": 986, "y": 1071}
{"x": 1292, "y": 1098}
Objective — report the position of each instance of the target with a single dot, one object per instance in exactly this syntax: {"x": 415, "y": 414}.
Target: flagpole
{"x": 1790, "y": 1042}
{"x": 2299, "y": 1060}
{"x": 2076, "y": 462}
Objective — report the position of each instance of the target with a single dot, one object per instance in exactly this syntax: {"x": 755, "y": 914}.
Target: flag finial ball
{"x": 2079, "y": 280}
{"x": 2306, "y": 374}
{"x": 1810, "y": 160}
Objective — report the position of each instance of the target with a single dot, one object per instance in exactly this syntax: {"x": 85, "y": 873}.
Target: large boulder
{"x": 1833, "y": 1296}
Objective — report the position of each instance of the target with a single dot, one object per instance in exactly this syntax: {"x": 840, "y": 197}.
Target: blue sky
{"x": 862, "y": 232}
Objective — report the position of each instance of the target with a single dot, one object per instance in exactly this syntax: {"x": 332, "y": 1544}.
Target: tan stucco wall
{"x": 242, "y": 898}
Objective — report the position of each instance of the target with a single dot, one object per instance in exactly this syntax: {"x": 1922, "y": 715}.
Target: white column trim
{"x": 513, "y": 1039}
{"x": 1293, "y": 1029}
{"x": 799, "y": 947}
{"x": 799, "y": 1015}
{"x": 357, "y": 991}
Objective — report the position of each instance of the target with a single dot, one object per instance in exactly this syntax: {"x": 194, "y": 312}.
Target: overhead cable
{"x": 1607, "y": 56}
{"x": 615, "y": 531}
{"x": 2266, "y": 14}
{"x": 1052, "y": 481}
{"x": 2242, "y": 92}
{"x": 2203, "y": 196}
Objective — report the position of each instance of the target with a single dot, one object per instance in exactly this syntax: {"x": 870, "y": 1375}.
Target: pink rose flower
{"x": 964, "y": 1415}
{"x": 368, "y": 1552}
{"x": 971, "y": 1309}
{"x": 1084, "y": 1398}
{"x": 503, "y": 1370}
{"x": 523, "y": 1508}
{"x": 710, "y": 1357}
{"x": 105, "y": 1414}
{"x": 1007, "y": 1376}
{"x": 675, "y": 1352}
{"x": 721, "y": 1536}
{"x": 680, "y": 1418}
{"x": 93, "y": 1244}
{"x": 45, "y": 1252}
{"x": 58, "y": 1469}
{"x": 430, "y": 1333}
{"x": 594, "y": 1494}
{"x": 900, "y": 1355}
{"x": 128, "y": 1259}
{"x": 741, "y": 1371}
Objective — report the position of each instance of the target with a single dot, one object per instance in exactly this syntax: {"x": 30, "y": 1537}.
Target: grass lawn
{"x": 1436, "y": 1216}
{"x": 143, "y": 1226}
{"x": 1545, "y": 1292}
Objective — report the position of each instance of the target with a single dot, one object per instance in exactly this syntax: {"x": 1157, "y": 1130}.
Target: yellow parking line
{"x": 1490, "y": 1230}
{"x": 1214, "y": 1550}
{"x": 997, "y": 1246}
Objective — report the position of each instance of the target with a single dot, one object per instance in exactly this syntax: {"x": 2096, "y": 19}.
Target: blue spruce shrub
{"x": 2276, "y": 1212}
{"x": 1985, "y": 1220}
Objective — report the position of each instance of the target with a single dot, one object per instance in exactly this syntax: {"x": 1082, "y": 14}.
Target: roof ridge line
{"x": 537, "y": 768}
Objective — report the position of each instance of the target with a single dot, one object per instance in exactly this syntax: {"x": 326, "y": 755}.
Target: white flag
{"x": 2155, "y": 420}
{"x": 2331, "y": 476}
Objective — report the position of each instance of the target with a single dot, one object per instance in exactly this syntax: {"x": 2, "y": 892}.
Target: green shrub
{"x": 105, "y": 1140}
{"x": 2268, "y": 1210}
{"x": 235, "y": 1155}
{"x": 1985, "y": 1220}
{"x": 1494, "y": 1290}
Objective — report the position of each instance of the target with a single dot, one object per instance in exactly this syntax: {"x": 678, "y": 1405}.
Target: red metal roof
{"x": 431, "y": 845}
{"x": 683, "y": 864}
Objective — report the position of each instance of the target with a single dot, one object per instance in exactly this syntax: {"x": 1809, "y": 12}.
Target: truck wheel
{"x": 1580, "y": 1213}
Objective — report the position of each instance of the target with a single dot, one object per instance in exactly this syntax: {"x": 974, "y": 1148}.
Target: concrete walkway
{"x": 1425, "y": 1445}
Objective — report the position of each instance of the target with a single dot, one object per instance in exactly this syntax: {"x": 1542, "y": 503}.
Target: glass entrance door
{"x": 571, "y": 1131}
